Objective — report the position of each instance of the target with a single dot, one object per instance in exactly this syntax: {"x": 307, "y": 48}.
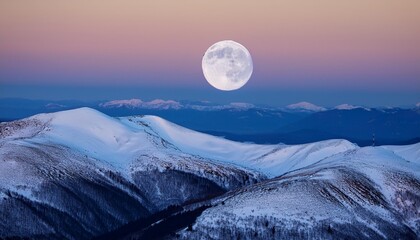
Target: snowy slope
{"x": 365, "y": 193}
{"x": 85, "y": 168}
{"x": 409, "y": 152}
{"x": 117, "y": 142}
{"x": 272, "y": 160}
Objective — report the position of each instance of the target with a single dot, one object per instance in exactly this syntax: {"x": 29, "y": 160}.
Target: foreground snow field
{"x": 85, "y": 168}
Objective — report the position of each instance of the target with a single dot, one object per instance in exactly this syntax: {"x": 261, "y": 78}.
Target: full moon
{"x": 227, "y": 65}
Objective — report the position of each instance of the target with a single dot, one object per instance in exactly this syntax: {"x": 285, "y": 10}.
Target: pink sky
{"x": 359, "y": 43}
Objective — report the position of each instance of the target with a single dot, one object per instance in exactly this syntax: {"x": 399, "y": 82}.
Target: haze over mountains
{"x": 79, "y": 174}
{"x": 293, "y": 124}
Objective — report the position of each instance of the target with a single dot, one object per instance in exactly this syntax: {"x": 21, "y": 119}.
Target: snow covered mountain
{"x": 349, "y": 107}
{"x": 159, "y": 104}
{"x": 137, "y": 103}
{"x": 305, "y": 107}
{"x": 363, "y": 193}
{"x": 246, "y": 122}
{"x": 83, "y": 168}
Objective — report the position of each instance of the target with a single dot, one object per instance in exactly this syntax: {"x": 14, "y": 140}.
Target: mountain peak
{"x": 130, "y": 103}
{"x": 162, "y": 104}
{"x": 305, "y": 106}
{"x": 346, "y": 106}
{"x": 241, "y": 105}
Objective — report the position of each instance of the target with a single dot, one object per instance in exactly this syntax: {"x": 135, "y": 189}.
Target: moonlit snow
{"x": 329, "y": 189}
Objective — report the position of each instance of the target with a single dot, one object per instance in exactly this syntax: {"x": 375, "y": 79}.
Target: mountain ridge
{"x": 259, "y": 124}
{"x": 85, "y": 168}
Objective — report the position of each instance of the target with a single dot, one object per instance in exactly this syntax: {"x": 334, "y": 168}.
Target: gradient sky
{"x": 303, "y": 49}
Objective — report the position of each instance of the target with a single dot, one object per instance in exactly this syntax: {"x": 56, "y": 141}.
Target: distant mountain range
{"x": 81, "y": 174}
{"x": 294, "y": 124}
